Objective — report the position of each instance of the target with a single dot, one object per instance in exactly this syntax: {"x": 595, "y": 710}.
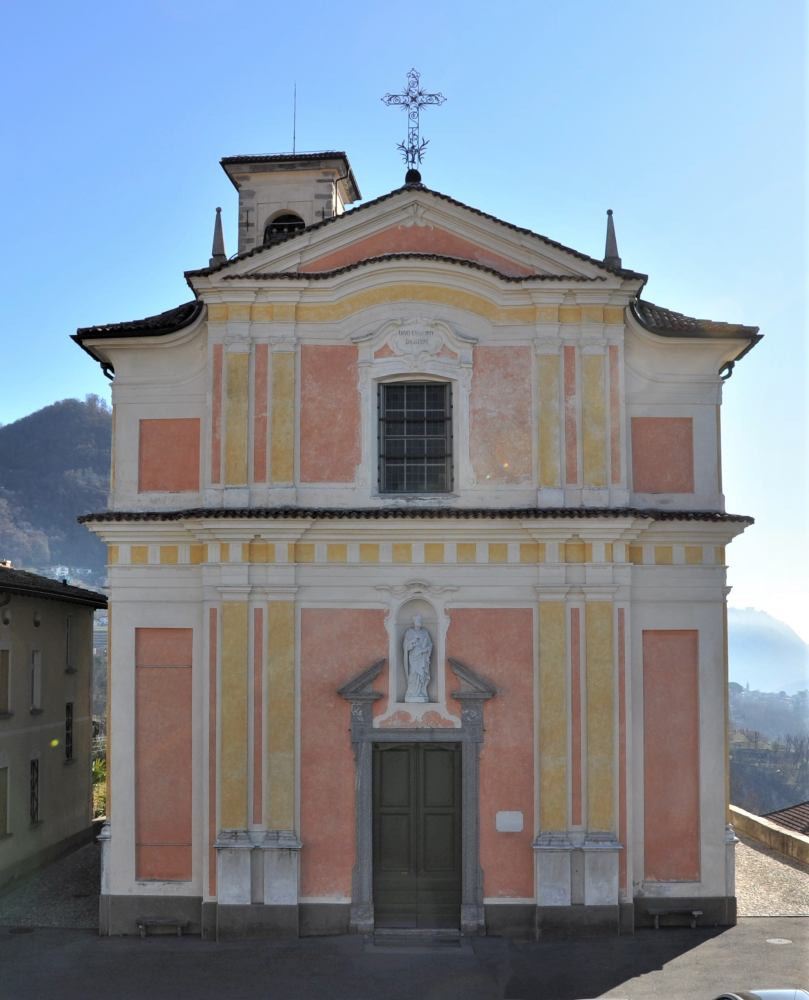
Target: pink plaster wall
{"x": 663, "y": 454}
{"x": 498, "y": 642}
{"x": 330, "y": 414}
{"x": 500, "y": 411}
{"x": 168, "y": 455}
{"x": 671, "y": 754}
{"x": 163, "y": 777}
{"x": 336, "y": 644}
{"x": 415, "y": 239}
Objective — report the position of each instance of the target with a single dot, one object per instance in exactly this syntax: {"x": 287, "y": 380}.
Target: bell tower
{"x": 282, "y": 192}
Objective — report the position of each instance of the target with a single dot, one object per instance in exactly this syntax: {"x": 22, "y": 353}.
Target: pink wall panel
{"x": 330, "y": 414}
{"x": 168, "y": 455}
{"x": 671, "y": 754}
{"x": 500, "y": 410}
{"x": 415, "y": 239}
{"x": 335, "y": 645}
{"x": 163, "y": 776}
{"x": 662, "y": 455}
{"x": 499, "y": 643}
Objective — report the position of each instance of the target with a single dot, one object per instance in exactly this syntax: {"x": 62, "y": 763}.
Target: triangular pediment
{"x": 411, "y": 237}
{"x": 415, "y": 222}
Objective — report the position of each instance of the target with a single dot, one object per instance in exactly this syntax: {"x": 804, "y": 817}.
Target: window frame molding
{"x": 383, "y": 357}
{"x": 450, "y": 460}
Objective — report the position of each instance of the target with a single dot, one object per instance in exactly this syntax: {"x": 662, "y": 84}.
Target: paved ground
{"x": 40, "y": 958}
{"x": 65, "y": 894}
{"x": 768, "y": 884}
{"x": 676, "y": 964}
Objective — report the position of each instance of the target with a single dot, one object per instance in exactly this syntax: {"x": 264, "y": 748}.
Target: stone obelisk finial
{"x": 218, "y": 255}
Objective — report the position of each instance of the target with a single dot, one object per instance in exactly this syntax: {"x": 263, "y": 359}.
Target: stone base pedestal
{"x": 577, "y": 881}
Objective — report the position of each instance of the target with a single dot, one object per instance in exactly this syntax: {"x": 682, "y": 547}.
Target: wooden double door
{"x": 417, "y": 834}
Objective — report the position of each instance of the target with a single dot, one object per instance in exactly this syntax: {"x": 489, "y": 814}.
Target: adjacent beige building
{"x": 46, "y": 660}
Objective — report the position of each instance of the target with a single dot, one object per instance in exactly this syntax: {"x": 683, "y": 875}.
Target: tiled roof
{"x": 621, "y": 272}
{"x": 166, "y": 322}
{"x": 409, "y": 255}
{"x": 673, "y": 324}
{"x": 416, "y": 513}
{"x": 283, "y": 157}
{"x": 794, "y": 818}
{"x": 18, "y": 581}
{"x": 327, "y": 154}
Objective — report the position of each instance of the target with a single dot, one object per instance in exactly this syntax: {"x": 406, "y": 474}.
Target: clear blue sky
{"x": 687, "y": 117}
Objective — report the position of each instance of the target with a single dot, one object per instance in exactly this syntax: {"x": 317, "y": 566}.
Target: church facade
{"x": 417, "y": 562}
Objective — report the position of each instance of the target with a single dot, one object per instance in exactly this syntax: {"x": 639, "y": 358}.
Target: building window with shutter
{"x": 415, "y": 437}
{"x": 69, "y": 666}
{"x": 5, "y": 682}
{"x": 69, "y": 731}
{"x": 33, "y": 792}
{"x": 4, "y": 830}
{"x": 36, "y": 681}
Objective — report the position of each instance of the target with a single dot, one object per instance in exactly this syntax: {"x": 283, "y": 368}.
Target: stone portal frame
{"x": 473, "y": 693}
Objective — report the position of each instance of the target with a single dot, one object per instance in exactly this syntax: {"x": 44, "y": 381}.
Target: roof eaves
{"x": 25, "y": 584}
{"x": 416, "y": 513}
{"x": 411, "y": 256}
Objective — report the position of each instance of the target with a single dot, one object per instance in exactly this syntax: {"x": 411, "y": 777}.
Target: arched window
{"x": 282, "y": 225}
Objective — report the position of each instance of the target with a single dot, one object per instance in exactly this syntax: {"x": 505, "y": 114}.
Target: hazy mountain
{"x": 54, "y": 466}
{"x": 766, "y": 653}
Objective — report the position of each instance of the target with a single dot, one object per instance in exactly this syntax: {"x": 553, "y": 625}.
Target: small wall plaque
{"x": 508, "y": 822}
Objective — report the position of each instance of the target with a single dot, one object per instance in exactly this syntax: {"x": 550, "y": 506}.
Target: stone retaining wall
{"x": 787, "y": 842}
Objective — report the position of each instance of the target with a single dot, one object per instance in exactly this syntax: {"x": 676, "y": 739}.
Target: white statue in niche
{"x": 418, "y": 649}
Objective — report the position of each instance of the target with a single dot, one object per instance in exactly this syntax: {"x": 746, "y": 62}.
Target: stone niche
{"x": 404, "y": 621}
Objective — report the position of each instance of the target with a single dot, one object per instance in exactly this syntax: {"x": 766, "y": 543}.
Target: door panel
{"x": 417, "y": 835}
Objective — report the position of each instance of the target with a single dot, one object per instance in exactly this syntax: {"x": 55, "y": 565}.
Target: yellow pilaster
{"x": 236, "y": 408}
{"x": 549, "y": 416}
{"x": 594, "y": 421}
{"x": 280, "y": 687}
{"x": 553, "y": 736}
{"x": 233, "y": 767}
{"x": 282, "y": 420}
{"x": 600, "y": 716}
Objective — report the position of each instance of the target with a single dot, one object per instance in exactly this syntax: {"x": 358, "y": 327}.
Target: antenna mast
{"x": 294, "y": 112}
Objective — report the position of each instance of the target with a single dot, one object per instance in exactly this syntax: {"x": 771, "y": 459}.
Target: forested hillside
{"x": 54, "y": 466}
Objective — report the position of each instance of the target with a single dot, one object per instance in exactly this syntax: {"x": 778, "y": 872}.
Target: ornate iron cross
{"x": 413, "y": 100}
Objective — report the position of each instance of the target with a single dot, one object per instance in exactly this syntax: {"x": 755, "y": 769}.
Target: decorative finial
{"x": 611, "y": 258}
{"x": 218, "y": 255}
{"x": 413, "y": 100}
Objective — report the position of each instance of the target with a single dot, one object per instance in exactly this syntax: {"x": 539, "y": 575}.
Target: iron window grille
{"x": 69, "y": 731}
{"x": 415, "y": 437}
{"x": 33, "y": 800}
